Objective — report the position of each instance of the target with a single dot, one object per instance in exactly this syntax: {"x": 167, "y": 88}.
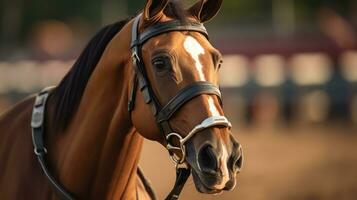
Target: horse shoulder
{"x": 15, "y": 147}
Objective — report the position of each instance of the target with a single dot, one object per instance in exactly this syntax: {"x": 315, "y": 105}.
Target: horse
{"x": 153, "y": 76}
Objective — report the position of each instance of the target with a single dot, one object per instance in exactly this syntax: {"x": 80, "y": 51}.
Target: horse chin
{"x": 202, "y": 187}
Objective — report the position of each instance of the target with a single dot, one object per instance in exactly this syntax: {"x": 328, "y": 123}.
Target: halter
{"x": 164, "y": 113}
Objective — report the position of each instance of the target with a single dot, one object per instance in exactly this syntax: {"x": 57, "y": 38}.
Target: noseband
{"x": 164, "y": 113}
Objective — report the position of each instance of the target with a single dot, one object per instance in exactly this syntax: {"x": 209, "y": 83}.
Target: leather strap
{"x": 182, "y": 175}
{"x": 37, "y": 126}
{"x": 139, "y": 68}
{"x": 132, "y": 97}
{"x": 37, "y": 122}
{"x": 166, "y": 27}
{"x": 146, "y": 184}
{"x": 185, "y": 95}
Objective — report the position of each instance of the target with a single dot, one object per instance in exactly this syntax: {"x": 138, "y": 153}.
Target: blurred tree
{"x": 10, "y": 22}
{"x": 246, "y": 10}
{"x": 306, "y": 9}
{"x": 134, "y": 6}
{"x": 18, "y": 16}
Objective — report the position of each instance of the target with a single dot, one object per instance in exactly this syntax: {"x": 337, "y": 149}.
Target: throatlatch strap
{"x": 37, "y": 126}
{"x": 182, "y": 175}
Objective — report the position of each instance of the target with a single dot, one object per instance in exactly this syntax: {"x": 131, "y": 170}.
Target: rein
{"x": 38, "y": 130}
{"x": 162, "y": 113}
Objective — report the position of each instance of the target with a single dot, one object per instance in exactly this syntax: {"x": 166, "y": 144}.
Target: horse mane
{"x": 68, "y": 94}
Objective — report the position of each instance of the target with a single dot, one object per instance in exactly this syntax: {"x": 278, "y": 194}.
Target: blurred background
{"x": 289, "y": 81}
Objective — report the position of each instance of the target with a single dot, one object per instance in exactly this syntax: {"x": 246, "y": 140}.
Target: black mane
{"x": 68, "y": 93}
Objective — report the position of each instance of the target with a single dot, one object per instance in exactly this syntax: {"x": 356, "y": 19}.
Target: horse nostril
{"x": 207, "y": 160}
{"x": 239, "y": 161}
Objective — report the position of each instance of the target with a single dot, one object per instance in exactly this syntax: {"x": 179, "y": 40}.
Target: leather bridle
{"x": 162, "y": 113}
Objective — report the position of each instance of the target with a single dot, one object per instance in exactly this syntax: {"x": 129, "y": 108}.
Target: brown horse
{"x": 93, "y": 141}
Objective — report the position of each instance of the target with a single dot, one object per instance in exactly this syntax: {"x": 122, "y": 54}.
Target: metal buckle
{"x": 37, "y": 117}
{"x": 209, "y": 122}
{"x": 40, "y": 152}
{"x": 135, "y": 56}
{"x": 178, "y": 161}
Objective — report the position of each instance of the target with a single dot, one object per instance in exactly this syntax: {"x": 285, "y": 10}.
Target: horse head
{"x": 177, "y": 100}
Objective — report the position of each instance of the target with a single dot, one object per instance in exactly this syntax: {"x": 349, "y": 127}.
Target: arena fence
{"x": 266, "y": 89}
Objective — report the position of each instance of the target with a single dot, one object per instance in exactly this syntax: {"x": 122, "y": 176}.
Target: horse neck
{"x": 99, "y": 150}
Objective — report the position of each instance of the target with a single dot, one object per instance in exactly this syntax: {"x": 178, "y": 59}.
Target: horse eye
{"x": 161, "y": 63}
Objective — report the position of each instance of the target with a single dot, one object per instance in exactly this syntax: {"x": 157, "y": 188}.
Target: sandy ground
{"x": 295, "y": 163}
{"x": 280, "y": 163}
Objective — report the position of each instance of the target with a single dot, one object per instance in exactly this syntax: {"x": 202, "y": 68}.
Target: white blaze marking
{"x": 212, "y": 107}
{"x": 224, "y": 169}
{"x": 195, "y": 50}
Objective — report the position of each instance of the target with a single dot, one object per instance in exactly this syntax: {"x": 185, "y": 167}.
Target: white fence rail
{"x": 26, "y": 76}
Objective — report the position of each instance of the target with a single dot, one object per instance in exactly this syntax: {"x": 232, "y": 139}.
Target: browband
{"x": 164, "y": 27}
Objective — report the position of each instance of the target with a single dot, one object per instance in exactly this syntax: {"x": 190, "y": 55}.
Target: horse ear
{"x": 154, "y": 9}
{"x": 205, "y": 10}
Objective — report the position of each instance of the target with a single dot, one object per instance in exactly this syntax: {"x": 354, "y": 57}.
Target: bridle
{"x": 162, "y": 113}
